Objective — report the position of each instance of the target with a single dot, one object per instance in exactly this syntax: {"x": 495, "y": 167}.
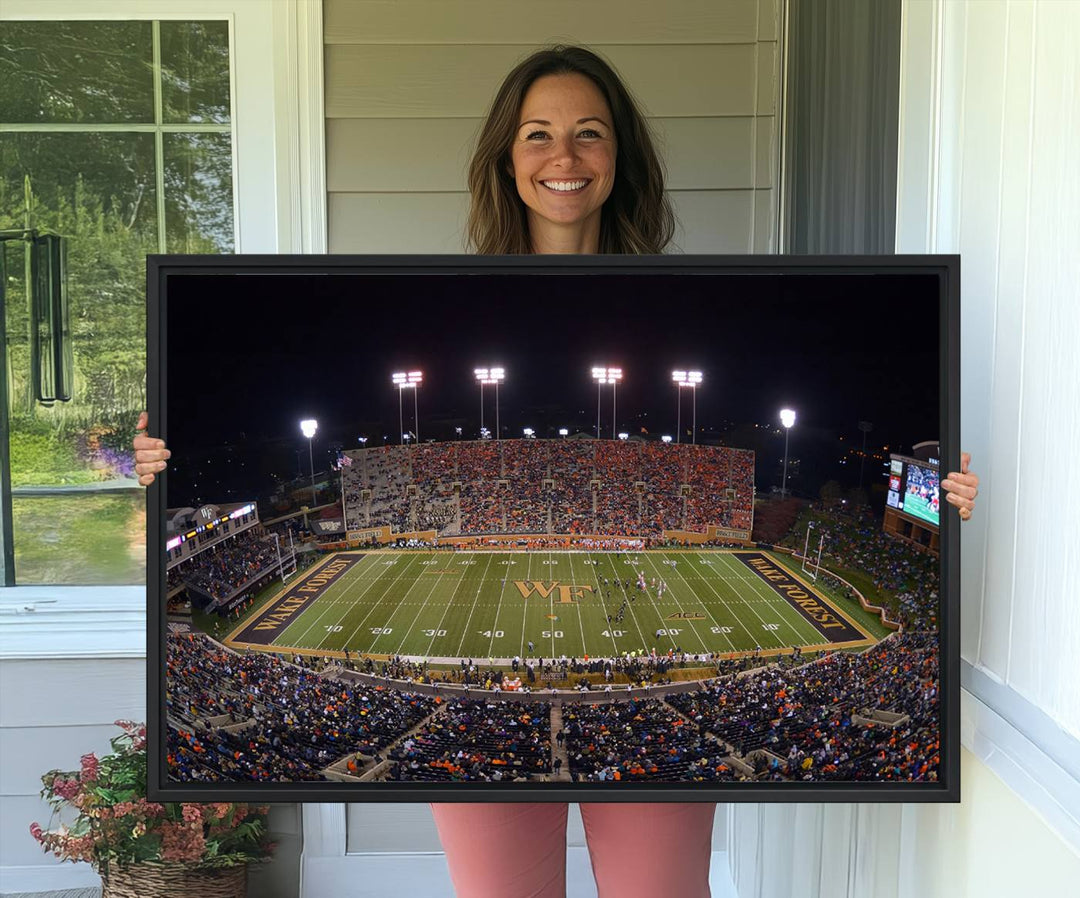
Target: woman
{"x": 565, "y": 164}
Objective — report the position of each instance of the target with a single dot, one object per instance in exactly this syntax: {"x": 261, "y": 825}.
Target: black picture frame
{"x": 162, "y": 272}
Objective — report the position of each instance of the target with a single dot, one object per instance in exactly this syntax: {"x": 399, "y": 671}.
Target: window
{"x": 118, "y": 136}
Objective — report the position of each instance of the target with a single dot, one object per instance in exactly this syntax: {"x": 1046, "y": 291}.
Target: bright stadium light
{"x": 308, "y": 427}
{"x": 787, "y": 418}
{"x": 487, "y": 377}
{"x": 606, "y": 375}
{"x": 563, "y": 432}
{"x": 665, "y": 438}
{"x": 600, "y": 376}
{"x": 529, "y": 433}
{"x": 685, "y": 379}
{"x": 409, "y": 380}
{"x": 614, "y": 376}
{"x": 485, "y": 434}
{"x": 623, "y": 435}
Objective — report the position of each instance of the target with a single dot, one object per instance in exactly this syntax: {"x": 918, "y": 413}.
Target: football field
{"x": 480, "y": 605}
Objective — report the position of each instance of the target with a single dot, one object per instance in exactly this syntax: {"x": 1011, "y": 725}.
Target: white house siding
{"x": 408, "y": 83}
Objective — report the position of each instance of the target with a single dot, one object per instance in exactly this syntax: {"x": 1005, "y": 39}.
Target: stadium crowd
{"x": 477, "y": 741}
{"x": 639, "y": 741}
{"x": 804, "y": 717}
{"x": 854, "y": 540}
{"x": 550, "y": 486}
{"x": 226, "y": 567}
{"x": 272, "y": 721}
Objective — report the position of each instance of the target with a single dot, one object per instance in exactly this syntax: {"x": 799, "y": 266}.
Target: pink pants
{"x": 519, "y": 850}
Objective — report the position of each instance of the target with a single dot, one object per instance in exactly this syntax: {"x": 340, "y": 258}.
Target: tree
{"x": 830, "y": 491}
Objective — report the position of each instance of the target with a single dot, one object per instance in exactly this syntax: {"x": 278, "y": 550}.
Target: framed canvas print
{"x": 541, "y": 528}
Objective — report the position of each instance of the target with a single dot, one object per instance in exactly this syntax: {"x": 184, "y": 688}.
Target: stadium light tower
{"x": 405, "y": 380}
{"x": 614, "y": 376}
{"x": 685, "y": 379}
{"x": 787, "y": 418}
{"x": 600, "y": 376}
{"x": 490, "y": 376}
{"x": 865, "y": 427}
{"x": 308, "y": 428}
{"x": 606, "y": 376}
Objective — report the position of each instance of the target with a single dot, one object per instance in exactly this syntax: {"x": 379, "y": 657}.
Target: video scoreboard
{"x": 914, "y": 488}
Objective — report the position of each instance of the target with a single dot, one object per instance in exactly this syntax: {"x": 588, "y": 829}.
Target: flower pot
{"x": 169, "y": 880}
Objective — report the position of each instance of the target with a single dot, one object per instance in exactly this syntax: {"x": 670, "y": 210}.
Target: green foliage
{"x": 87, "y": 539}
{"x": 99, "y": 190}
{"x": 42, "y": 458}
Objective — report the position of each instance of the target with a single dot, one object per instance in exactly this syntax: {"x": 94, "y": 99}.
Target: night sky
{"x": 249, "y": 356}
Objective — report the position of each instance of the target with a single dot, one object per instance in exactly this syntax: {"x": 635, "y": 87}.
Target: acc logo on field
{"x": 686, "y": 615}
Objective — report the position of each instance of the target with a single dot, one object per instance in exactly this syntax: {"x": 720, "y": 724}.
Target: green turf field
{"x": 484, "y": 605}
{"x": 921, "y": 508}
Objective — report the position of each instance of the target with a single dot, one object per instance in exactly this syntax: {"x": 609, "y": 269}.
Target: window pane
{"x": 76, "y": 72}
{"x": 81, "y": 540}
{"x": 98, "y": 191}
{"x": 195, "y": 72}
{"x": 198, "y": 193}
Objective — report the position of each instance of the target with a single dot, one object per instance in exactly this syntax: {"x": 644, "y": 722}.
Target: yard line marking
{"x": 442, "y": 617}
{"x": 735, "y": 616}
{"x": 435, "y": 581}
{"x": 678, "y": 605}
{"x": 479, "y": 586}
{"x": 524, "y": 620}
{"x": 581, "y": 624}
{"x": 629, "y": 605}
{"x": 323, "y": 607}
{"x": 768, "y": 597}
{"x": 498, "y": 608}
{"x": 407, "y": 567}
{"x": 603, "y": 604}
{"x": 708, "y": 610}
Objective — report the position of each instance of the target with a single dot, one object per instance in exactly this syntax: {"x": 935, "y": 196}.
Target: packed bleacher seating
{"x": 227, "y": 567}
{"x": 471, "y": 740}
{"x": 854, "y": 540}
{"x": 814, "y": 718}
{"x": 255, "y": 717}
{"x": 638, "y": 741}
{"x": 551, "y": 486}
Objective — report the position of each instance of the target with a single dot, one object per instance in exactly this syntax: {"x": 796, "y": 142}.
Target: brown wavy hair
{"x": 637, "y": 216}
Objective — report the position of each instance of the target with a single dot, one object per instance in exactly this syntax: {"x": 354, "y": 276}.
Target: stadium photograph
{"x": 561, "y": 528}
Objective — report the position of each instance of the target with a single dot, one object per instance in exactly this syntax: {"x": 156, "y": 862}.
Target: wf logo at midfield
{"x": 568, "y": 594}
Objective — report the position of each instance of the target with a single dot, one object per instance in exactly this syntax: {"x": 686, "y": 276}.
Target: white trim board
{"x": 1050, "y": 788}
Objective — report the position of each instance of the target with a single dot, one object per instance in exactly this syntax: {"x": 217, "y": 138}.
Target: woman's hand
{"x": 150, "y": 453}
{"x": 961, "y": 488}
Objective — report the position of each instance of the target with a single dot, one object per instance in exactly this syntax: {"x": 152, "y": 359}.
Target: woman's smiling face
{"x": 563, "y": 155}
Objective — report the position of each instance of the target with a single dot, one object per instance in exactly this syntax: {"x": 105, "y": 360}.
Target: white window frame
{"x": 279, "y": 191}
